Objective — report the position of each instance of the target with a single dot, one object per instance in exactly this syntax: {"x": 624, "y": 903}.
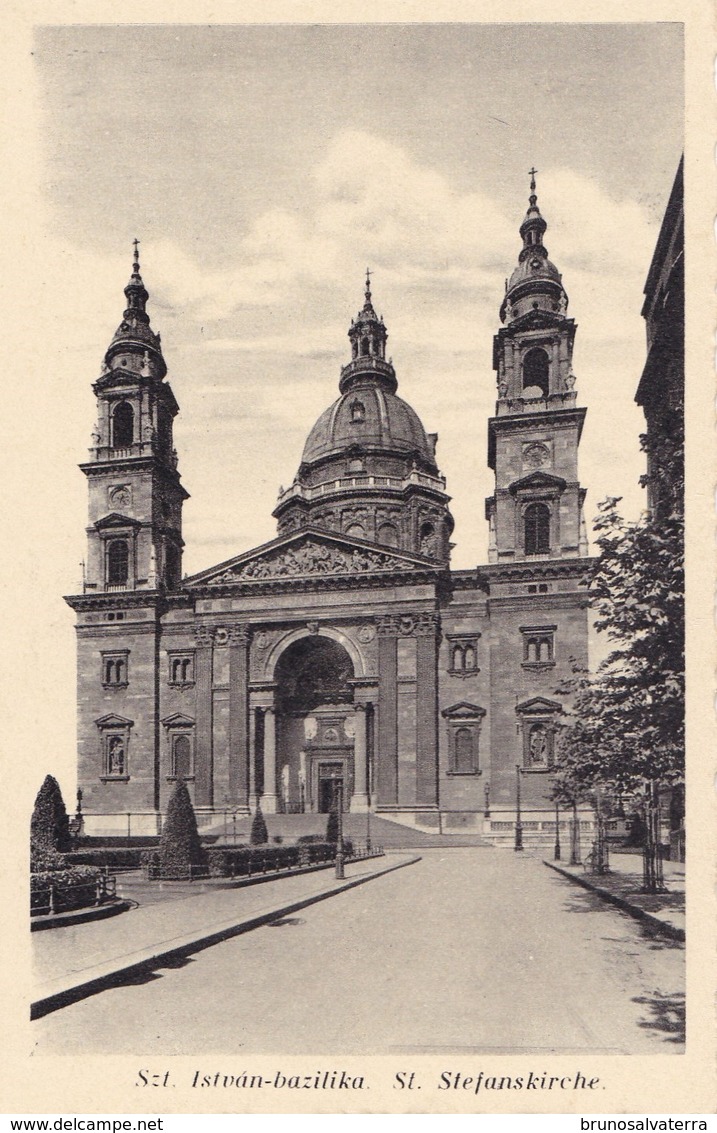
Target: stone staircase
{"x": 384, "y": 832}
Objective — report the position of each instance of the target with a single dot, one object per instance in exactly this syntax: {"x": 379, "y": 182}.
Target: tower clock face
{"x": 120, "y": 495}
{"x": 536, "y": 455}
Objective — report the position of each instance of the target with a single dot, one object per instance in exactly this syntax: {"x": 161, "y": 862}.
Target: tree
{"x": 625, "y": 727}
{"x": 180, "y": 847}
{"x": 259, "y": 835}
{"x": 49, "y": 825}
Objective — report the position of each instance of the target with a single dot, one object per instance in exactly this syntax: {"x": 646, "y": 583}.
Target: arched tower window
{"x": 182, "y": 757}
{"x": 429, "y": 543}
{"x": 537, "y": 529}
{"x": 388, "y": 535}
{"x": 123, "y": 425}
{"x": 364, "y": 346}
{"x": 536, "y": 372}
{"x": 117, "y": 562}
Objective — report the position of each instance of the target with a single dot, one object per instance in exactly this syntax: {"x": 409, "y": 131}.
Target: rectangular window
{"x": 463, "y": 654}
{"x": 115, "y": 668}
{"x": 181, "y": 668}
{"x": 538, "y": 646}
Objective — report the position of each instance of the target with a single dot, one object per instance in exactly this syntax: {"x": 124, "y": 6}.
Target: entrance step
{"x": 357, "y": 827}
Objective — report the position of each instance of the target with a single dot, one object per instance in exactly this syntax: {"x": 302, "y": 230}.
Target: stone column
{"x": 203, "y": 756}
{"x": 427, "y": 638}
{"x": 252, "y": 755}
{"x": 268, "y": 799}
{"x": 387, "y": 748}
{"x": 359, "y": 800}
{"x": 239, "y": 717}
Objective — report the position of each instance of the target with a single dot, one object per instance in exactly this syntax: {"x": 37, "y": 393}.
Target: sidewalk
{"x": 74, "y": 962}
{"x": 664, "y": 912}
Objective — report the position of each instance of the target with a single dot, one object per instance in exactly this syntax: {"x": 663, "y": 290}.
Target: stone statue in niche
{"x": 570, "y": 379}
{"x": 310, "y": 727}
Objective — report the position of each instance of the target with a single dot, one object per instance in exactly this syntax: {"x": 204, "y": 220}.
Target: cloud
{"x": 255, "y": 344}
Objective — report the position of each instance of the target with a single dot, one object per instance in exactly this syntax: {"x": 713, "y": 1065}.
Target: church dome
{"x": 372, "y": 418}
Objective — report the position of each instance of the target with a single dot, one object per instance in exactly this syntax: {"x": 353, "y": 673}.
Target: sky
{"x": 263, "y": 168}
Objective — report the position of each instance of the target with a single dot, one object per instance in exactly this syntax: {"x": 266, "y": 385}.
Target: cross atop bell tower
{"x": 135, "y": 505}
{"x": 536, "y": 510}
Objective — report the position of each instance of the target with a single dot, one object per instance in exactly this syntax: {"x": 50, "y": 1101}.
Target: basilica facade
{"x": 344, "y": 661}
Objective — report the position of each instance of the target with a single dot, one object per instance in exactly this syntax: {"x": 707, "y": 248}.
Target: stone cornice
{"x": 544, "y": 568}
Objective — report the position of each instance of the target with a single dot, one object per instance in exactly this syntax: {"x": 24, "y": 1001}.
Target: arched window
{"x": 458, "y": 659}
{"x": 537, "y": 529}
{"x": 536, "y": 373}
{"x": 470, "y": 657}
{"x": 356, "y": 531}
{"x": 117, "y": 562}
{"x": 123, "y": 425}
{"x": 388, "y": 535}
{"x": 182, "y": 757}
{"x": 464, "y": 762}
{"x": 364, "y": 346}
{"x": 428, "y": 539}
{"x": 358, "y": 411}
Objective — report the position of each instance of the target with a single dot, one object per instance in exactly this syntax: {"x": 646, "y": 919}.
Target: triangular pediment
{"x": 112, "y": 720}
{"x": 537, "y": 318}
{"x": 538, "y": 480}
{"x": 115, "y": 519}
{"x": 178, "y": 720}
{"x": 312, "y": 554}
{"x": 538, "y": 704}
{"x": 464, "y": 710}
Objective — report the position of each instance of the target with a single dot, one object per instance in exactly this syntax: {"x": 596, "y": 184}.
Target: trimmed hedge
{"x": 181, "y": 853}
{"x": 74, "y": 888}
{"x": 112, "y": 857}
{"x": 245, "y": 861}
{"x": 49, "y": 825}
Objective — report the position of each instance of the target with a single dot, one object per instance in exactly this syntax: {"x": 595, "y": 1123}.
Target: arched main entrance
{"x": 315, "y": 724}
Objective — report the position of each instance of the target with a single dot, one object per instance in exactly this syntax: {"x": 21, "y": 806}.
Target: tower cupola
{"x": 536, "y": 284}
{"x": 135, "y": 347}
{"x": 368, "y": 349}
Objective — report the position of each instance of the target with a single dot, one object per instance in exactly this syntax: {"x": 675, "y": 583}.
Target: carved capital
{"x": 239, "y": 635}
{"x": 423, "y": 624}
{"x": 204, "y": 636}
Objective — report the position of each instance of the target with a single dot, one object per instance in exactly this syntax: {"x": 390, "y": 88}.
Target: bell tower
{"x": 135, "y": 495}
{"x": 536, "y": 511}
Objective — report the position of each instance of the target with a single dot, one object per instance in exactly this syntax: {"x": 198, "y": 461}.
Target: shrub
{"x": 245, "y": 861}
{"x": 49, "y": 825}
{"x": 180, "y": 847}
{"x": 306, "y": 839}
{"x": 259, "y": 833}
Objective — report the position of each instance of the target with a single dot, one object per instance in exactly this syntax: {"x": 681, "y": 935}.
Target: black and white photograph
{"x": 349, "y": 504}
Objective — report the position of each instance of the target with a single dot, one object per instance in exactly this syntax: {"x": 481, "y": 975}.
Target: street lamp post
{"x": 340, "y": 832}
{"x": 518, "y": 822}
{"x": 486, "y": 799}
{"x": 557, "y": 831}
{"x": 575, "y": 837}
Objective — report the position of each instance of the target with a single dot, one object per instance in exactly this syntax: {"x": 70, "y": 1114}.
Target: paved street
{"x": 470, "y": 950}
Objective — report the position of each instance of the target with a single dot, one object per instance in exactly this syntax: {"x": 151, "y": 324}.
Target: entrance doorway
{"x": 331, "y": 787}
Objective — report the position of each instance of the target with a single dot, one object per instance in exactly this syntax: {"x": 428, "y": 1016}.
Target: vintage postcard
{"x": 361, "y": 434}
